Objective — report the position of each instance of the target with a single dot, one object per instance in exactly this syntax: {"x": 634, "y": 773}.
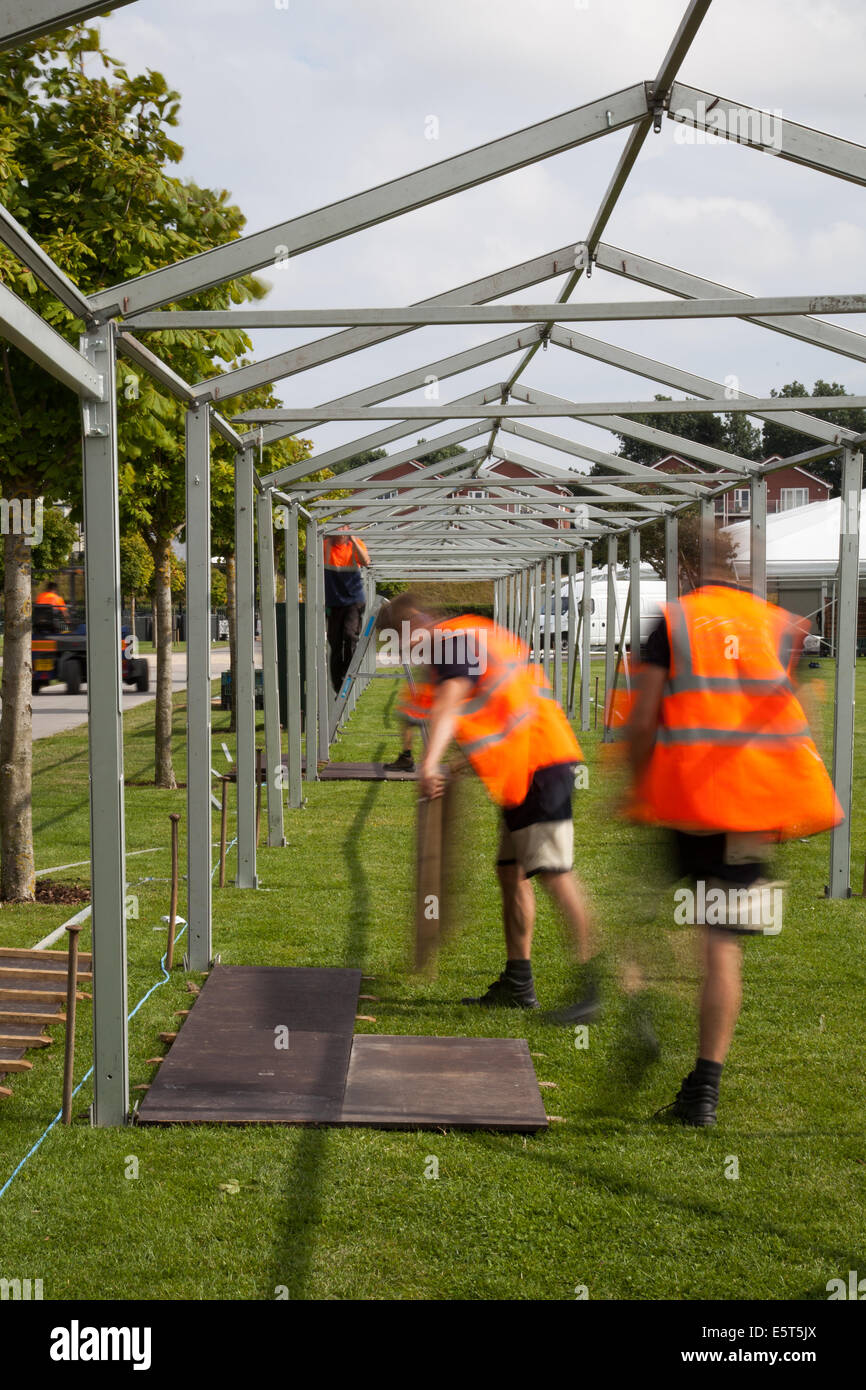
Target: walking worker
{"x": 721, "y": 753}
{"x": 345, "y": 557}
{"x": 505, "y": 720}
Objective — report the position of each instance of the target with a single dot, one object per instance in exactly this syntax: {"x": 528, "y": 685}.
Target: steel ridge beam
{"x": 375, "y": 205}
{"x": 31, "y": 254}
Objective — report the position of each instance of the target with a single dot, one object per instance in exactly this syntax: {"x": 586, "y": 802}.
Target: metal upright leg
{"x": 572, "y": 634}
{"x": 105, "y": 750}
{"x": 548, "y": 584}
{"x": 198, "y": 688}
{"x": 557, "y": 628}
{"x": 537, "y": 648}
{"x": 758, "y": 536}
{"x": 270, "y": 681}
{"x": 313, "y": 641}
{"x": 245, "y": 701}
{"x": 610, "y": 622}
{"x": 672, "y": 564}
{"x": 708, "y": 539}
{"x": 846, "y": 669}
{"x": 586, "y": 635}
{"x": 634, "y": 583}
{"x": 293, "y": 661}
{"x": 325, "y": 694}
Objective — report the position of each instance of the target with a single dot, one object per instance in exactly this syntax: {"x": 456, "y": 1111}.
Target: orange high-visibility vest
{"x": 510, "y": 725}
{"x": 733, "y": 749}
{"x": 345, "y": 553}
{"x": 415, "y": 704}
{"x": 50, "y": 598}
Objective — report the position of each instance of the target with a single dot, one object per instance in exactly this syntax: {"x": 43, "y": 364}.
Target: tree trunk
{"x": 17, "y": 881}
{"x": 163, "y": 638}
{"x": 132, "y": 613}
{"x": 231, "y": 614}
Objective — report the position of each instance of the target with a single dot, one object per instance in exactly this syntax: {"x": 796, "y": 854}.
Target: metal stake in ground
{"x": 172, "y": 912}
{"x": 71, "y": 989}
{"x": 258, "y": 792}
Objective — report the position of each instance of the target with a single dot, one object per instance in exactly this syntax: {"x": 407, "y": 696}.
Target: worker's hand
{"x": 431, "y": 783}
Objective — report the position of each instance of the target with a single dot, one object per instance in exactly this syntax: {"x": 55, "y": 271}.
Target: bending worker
{"x": 413, "y": 712}
{"x": 514, "y": 735}
{"x": 721, "y": 753}
{"x": 345, "y": 557}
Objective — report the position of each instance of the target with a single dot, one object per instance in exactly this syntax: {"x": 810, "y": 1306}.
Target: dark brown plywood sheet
{"x": 224, "y": 1067}
{"x": 457, "y": 1083}
{"x": 360, "y": 772}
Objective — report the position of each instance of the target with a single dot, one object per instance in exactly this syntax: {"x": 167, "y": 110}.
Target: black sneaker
{"x": 405, "y": 763}
{"x": 695, "y": 1104}
{"x": 505, "y": 994}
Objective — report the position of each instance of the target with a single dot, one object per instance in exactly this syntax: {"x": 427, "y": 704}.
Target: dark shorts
{"x": 732, "y": 889}
{"x": 539, "y": 833}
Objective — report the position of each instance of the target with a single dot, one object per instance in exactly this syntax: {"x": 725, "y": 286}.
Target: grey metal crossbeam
{"x": 39, "y": 341}
{"x": 23, "y": 20}
{"x": 723, "y": 405}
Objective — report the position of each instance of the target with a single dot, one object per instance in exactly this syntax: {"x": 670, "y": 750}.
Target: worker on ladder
{"x": 345, "y": 557}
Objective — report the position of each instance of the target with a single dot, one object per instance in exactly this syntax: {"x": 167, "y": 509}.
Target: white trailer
{"x": 652, "y": 596}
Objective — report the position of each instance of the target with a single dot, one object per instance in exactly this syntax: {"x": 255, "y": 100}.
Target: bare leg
{"x": 518, "y": 911}
{"x": 568, "y": 894}
{"x": 721, "y": 994}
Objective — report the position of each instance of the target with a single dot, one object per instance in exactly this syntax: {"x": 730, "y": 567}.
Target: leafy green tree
{"x": 52, "y": 552}
{"x": 136, "y": 569}
{"x": 83, "y": 166}
{"x": 781, "y": 439}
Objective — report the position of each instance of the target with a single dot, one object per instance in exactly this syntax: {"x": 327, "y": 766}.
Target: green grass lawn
{"x": 606, "y": 1198}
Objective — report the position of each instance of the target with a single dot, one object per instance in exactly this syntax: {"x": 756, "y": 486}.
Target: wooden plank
{"x": 431, "y": 1083}
{"x": 265, "y": 1044}
{"x": 30, "y": 1016}
{"x": 49, "y": 995}
{"x": 8, "y": 972}
{"x": 24, "y": 1040}
{"x": 428, "y": 878}
{"x": 14, "y": 1064}
{"x": 5, "y": 1093}
{"x": 30, "y": 953}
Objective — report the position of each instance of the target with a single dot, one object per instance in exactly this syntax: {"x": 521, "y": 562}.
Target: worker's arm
{"x": 362, "y": 555}
{"x": 440, "y": 731}
{"x": 644, "y": 719}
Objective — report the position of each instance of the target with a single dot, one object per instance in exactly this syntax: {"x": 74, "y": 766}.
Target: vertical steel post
{"x": 672, "y": 565}
{"x": 557, "y": 628}
{"x": 634, "y": 590}
{"x": 526, "y": 590}
{"x": 326, "y": 695}
{"x": 246, "y": 691}
{"x": 846, "y": 669}
{"x": 311, "y": 611}
{"x": 572, "y": 633}
{"x": 585, "y": 636}
{"x": 708, "y": 539}
{"x": 496, "y": 584}
{"x": 293, "y": 660}
{"x": 610, "y": 622}
{"x": 270, "y": 681}
{"x": 198, "y": 689}
{"x": 536, "y": 615}
{"x": 758, "y": 536}
{"x": 548, "y": 584}
{"x": 105, "y": 725}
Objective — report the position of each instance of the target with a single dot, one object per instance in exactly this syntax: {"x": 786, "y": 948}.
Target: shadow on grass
{"x": 295, "y": 1237}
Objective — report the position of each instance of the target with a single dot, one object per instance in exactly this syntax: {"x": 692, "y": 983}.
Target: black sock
{"x": 519, "y": 971}
{"x": 707, "y": 1073}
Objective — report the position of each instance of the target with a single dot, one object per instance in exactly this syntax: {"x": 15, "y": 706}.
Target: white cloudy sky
{"x": 290, "y": 108}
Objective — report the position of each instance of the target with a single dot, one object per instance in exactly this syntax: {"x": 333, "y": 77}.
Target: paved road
{"x": 54, "y": 710}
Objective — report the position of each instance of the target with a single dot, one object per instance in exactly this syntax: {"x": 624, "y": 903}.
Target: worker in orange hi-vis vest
{"x": 49, "y": 598}
{"x": 345, "y": 556}
{"x": 413, "y": 710}
{"x": 507, "y": 724}
{"x": 721, "y": 753}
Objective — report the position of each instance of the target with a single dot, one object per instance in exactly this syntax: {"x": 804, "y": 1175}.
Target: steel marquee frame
{"x": 472, "y": 537}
